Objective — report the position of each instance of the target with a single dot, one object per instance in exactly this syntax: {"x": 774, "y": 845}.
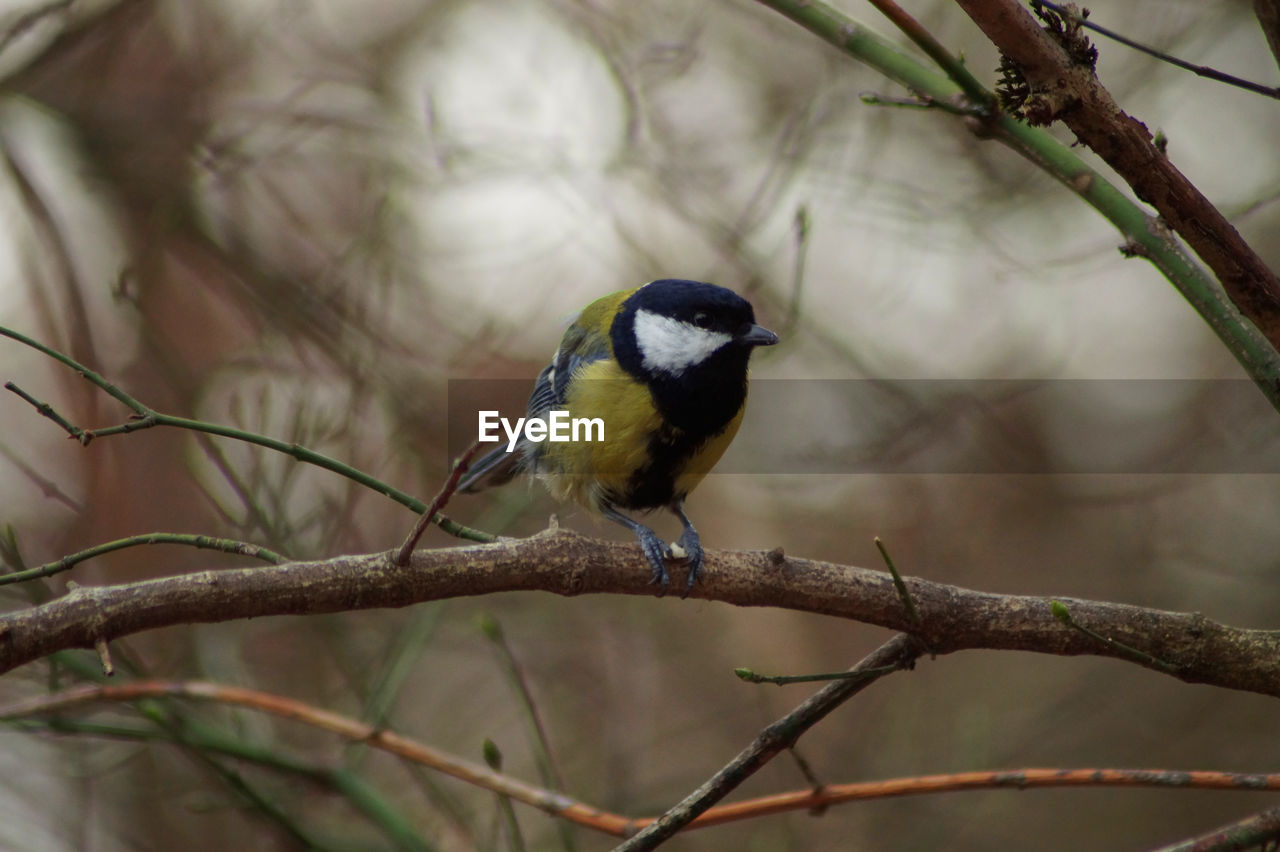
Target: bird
{"x": 664, "y": 368}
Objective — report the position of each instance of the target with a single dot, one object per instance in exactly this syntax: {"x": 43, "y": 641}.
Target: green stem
{"x": 1060, "y": 612}
{"x": 903, "y": 592}
{"x": 207, "y": 743}
{"x": 954, "y": 67}
{"x": 1144, "y": 236}
{"x": 751, "y": 676}
{"x": 46, "y": 410}
{"x": 146, "y": 418}
{"x": 379, "y": 811}
{"x": 541, "y": 743}
{"x": 205, "y": 542}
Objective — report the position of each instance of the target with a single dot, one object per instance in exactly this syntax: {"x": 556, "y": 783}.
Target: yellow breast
{"x": 592, "y": 471}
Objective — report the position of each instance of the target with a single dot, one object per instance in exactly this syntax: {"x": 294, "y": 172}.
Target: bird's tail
{"x": 496, "y": 467}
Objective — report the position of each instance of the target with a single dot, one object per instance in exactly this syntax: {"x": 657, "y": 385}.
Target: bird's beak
{"x": 758, "y": 336}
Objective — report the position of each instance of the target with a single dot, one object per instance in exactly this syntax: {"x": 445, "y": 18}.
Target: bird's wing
{"x": 580, "y": 347}
{"x": 499, "y": 466}
{"x": 543, "y": 398}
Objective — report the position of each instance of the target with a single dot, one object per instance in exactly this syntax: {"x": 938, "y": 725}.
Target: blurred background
{"x": 306, "y": 220}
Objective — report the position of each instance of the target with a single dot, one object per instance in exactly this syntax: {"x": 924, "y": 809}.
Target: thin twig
{"x": 19, "y": 715}
{"x": 47, "y": 486}
{"x": 1013, "y": 779}
{"x": 547, "y": 768}
{"x": 1065, "y": 88}
{"x": 1246, "y": 343}
{"x": 1063, "y": 614}
{"x": 46, "y": 410}
{"x": 903, "y": 591}
{"x": 204, "y": 542}
{"x": 898, "y": 653}
{"x": 801, "y": 225}
{"x": 815, "y": 784}
{"x": 104, "y": 657}
{"x": 351, "y": 729}
{"x": 1198, "y": 70}
{"x": 147, "y": 418}
{"x": 751, "y": 676}
{"x": 436, "y": 505}
{"x": 1260, "y": 831}
{"x": 925, "y": 40}
{"x": 493, "y": 758}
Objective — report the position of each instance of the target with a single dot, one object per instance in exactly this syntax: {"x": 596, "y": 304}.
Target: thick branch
{"x": 1070, "y": 91}
{"x": 1192, "y": 647}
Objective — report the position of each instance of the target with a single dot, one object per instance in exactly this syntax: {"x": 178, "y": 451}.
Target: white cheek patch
{"x": 670, "y": 346}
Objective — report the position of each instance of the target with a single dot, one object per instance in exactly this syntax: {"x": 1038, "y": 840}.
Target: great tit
{"x": 664, "y": 367}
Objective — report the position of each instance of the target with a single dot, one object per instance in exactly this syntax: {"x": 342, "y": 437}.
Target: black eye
{"x": 702, "y": 319}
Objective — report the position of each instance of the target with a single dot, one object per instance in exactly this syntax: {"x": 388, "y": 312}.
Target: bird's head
{"x": 670, "y": 328}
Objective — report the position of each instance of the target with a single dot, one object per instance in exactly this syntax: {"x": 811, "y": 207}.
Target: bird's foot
{"x": 692, "y": 548}
{"x": 656, "y": 552}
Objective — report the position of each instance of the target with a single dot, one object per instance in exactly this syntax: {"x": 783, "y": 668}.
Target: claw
{"x": 656, "y": 552}
{"x": 692, "y": 547}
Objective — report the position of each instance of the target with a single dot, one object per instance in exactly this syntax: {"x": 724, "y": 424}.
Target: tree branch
{"x": 1208, "y": 72}
{"x": 1145, "y": 236}
{"x": 898, "y": 653}
{"x": 1186, "y": 645}
{"x": 1065, "y": 89}
{"x": 195, "y": 735}
{"x": 1255, "y": 832}
{"x": 145, "y": 417}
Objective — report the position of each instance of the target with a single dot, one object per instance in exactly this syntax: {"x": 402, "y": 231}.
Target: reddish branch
{"x": 1186, "y": 645}
{"x": 616, "y": 824}
{"x": 1069, "y": 91}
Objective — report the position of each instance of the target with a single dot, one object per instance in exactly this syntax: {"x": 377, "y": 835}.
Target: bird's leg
{"x": 654, "y": 550}
{"x": 691, "y": 545}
